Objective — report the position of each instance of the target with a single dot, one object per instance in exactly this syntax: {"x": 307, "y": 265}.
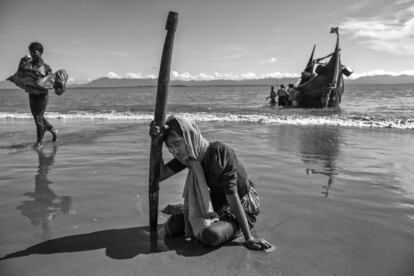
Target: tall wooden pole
{"x": 159, "y": 118}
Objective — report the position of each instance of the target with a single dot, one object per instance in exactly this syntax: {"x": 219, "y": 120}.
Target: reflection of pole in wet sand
{"x": 44, "y": 205}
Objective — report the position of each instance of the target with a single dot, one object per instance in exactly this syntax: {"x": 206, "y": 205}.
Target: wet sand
{"x": 334, "y": 201}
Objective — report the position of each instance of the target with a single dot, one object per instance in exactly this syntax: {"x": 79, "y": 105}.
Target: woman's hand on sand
{"x": 258, "y": 244}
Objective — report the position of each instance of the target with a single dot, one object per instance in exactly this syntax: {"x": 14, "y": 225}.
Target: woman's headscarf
{"x": 198, "y": 208}
{"x": 195, "y": 143}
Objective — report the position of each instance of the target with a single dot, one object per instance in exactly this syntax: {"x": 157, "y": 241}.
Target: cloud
{"x": 183, "y": 76}
{"x": 248, "y": 76}
{"x": 71, "y": 80}
{"x": 393, "y": 33}
{"x": 218, "y": 76}
{"x": 113, "y": 75}
{"x": 270, "y": 60}
{"x": 133, "y": 76}
{"x": 186, "y": 76}
{"x": 78, "y": 81}
{"x": 280, "y": 75}
{"x": 202, "y": 76}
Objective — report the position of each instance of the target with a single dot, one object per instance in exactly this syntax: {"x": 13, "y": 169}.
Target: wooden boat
{"x": 322, "y": 86}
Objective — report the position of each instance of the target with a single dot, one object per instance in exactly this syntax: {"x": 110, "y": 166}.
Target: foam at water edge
{"x": 335, "y": 120}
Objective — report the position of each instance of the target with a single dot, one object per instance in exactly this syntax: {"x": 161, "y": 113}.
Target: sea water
{"x": 336, "y": 185}
{"x": 362, "y": 105}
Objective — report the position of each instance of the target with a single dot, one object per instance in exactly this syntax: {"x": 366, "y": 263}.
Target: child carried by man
{"x": 29, "y": 79}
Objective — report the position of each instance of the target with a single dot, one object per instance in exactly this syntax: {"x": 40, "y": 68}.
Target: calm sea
{"x": 336, "y": 185}
{"x": 379, "y": 106}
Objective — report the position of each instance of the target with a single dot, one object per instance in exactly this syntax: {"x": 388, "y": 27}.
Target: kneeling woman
{"x": 220, "y": 202}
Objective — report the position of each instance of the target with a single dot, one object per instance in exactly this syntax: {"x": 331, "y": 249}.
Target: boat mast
{"x": 334, "y": 83}
{"x": 338, "y": 62}
{"x": 309, "y": 66}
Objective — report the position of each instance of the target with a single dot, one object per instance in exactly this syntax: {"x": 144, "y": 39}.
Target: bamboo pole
{"x": 159, "y": 118}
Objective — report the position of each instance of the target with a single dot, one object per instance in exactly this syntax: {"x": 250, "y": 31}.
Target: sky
{"x": 215, "y": 39}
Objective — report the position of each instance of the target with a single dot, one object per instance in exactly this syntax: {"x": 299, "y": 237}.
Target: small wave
{"x": 81, "y": 115}
{"x": 334, "y": 120}
{"x": 346, "y": 121}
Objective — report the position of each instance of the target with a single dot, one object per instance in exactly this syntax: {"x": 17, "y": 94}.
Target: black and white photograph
{"x": 219, "y": 137}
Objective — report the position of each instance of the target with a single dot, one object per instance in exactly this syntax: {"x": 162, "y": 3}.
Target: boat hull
{"x": 314, "y": 96}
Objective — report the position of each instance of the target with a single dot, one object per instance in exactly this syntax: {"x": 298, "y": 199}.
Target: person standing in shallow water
{"x": 283, "y": 95}
{"x": 291, "y": 94}
{"x": 220, "y": 202}
{"x": 272, "y": 96}
{"x": 38, "y": 96}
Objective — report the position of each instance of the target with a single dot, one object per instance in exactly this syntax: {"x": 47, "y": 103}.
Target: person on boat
{"x": 272, "y": 96}
{"x": 321, "y": 69}
{"x": 306, "y": 76}
{"x": 32, "y": 69}
{"x": 282, "y": 95}
{"x": 220, "y": 202}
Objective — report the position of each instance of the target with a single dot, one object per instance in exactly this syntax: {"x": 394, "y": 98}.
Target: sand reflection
{"x": 320, "y": 147}
{"x": 43, "y": 204}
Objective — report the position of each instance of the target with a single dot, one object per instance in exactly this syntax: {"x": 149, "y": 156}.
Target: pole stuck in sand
{"x": 159, "y": 118}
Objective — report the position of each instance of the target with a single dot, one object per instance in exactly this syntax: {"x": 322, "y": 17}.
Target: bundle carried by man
{"x": 27, "y": 78}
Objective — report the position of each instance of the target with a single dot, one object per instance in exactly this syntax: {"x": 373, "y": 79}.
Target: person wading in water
{"x": 38, "y": 96}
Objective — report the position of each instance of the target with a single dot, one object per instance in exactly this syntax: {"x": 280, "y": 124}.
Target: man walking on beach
{"x": 38, "y": 96}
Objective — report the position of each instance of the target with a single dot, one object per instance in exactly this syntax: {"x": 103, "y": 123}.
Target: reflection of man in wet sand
{"x": 45, "y": 204}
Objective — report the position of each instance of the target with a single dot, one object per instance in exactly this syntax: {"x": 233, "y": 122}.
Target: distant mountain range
{"x": 107, "y": 82}
{"x": 383, "y": 79}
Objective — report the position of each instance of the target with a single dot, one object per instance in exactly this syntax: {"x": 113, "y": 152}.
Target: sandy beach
{"x": 80, "y": 207}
